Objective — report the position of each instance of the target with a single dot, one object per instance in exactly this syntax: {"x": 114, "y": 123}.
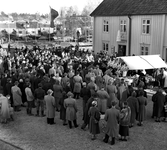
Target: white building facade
{"x": 128, "y": 32}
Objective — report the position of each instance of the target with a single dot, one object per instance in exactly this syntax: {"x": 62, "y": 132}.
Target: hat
{"x": 94, "y": 103}
{"x": 84, "y": 83}
{"x": 113, "y": 103}
{"x": 39, "y": 85}
{"x": 21, "y": 80}
{"x": 49, "y": 91}
{"x": 70, "y": 94}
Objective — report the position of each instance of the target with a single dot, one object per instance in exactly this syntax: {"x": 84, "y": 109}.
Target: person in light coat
{"x": 16, "y": 94}
{"x": 71, "y": 110}
{"x": 50, "y": 107}
{"x": 112, "y": 117}
{"x": 4, "y": 109}
{"x": 102, "y": 101}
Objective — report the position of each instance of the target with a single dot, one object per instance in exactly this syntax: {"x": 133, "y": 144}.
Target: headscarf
{"x": 94, "y": 103}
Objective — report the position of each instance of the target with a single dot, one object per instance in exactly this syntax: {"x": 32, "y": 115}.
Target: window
{"x": 146, "y": 23}
{"x": 123, "y": 26}
{"x": 105, "y": 26}
{"x": 105, "y": 46}
{"x": 144, "y": 49}
{"x": 20, "y": 32}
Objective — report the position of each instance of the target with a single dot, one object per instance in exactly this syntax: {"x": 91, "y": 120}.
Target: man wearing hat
{"x": 71, "y": 110}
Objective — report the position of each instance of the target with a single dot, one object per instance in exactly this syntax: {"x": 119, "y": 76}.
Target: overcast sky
{"x": 41, "y": 6}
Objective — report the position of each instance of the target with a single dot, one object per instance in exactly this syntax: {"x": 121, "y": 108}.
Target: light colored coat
{"x": 4, "y": 107}
{"x": 102, "y": 101}
{"x": 112, "y": 117}
{"x": 71, "y": 109}
{"x": 16, "y": 93}
{"x": 77, "y": 84}
{"x": 50, "y": 106}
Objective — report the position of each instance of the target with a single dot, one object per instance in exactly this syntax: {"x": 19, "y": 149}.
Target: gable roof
{"x": 130, "y": 7}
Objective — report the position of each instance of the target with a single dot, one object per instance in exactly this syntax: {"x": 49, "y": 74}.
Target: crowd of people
{"x": 50, "y": 80}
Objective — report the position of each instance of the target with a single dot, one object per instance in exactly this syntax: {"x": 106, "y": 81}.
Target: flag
{"x": 118, "y": 36}
{"x": 53, "y": 15}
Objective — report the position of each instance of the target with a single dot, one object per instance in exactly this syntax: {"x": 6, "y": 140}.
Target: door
{"x": 121, "y": 50}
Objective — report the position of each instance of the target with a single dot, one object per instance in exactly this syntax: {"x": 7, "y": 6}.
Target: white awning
{"x": 144, "y": 62}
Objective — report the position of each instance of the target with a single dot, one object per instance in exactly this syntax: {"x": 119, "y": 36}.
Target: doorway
{"x": 121, "y": 50}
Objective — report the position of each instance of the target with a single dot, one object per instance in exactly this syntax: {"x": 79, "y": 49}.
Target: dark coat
{"x": 62, "y": 108}
{"x": 142, "y": 108}
{"x": 112, "y": 116}
{"x": 85, "y": 94}
{"x": 159, "y": 101}
{"x": 88, "y": 105}
{"x": 94, "y": 120}
{"x": 134, "y": 106}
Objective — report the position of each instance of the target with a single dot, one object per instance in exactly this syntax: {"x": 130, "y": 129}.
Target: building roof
{"x": 130, "y": 7}
{"x": 6, "y": 25}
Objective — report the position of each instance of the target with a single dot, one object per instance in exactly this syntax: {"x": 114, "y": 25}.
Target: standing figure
{"x": 112, "y": 117}
{"x": 62, "y": 108}
{"x": 39, "y": 97}
{"x": 50, "y": 107}
{"x": 85, "y": 94}
{"x": 77, "y": 85}
{"x": 58, "y": 90}
{"x": 124, "y": 121}
{"x": 158, "y": 107}
{"x": 142, "y": 107}
{"x": 30, "y": 99}
{"x": 16, "y": 94}
{"x": 102, "y": 101}
{"x": 94, "y": 120}
{"x": 5, "y": 114}
{"x": 134, "y": 106}
{"x": 71, "y": 110}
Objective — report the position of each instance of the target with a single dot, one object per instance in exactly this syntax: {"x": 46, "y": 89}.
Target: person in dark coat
{"x": 134, "y": 106}
{"x": 94, "y": 114}
{"x": 142, "y": 107}
{"x": 159, "y": 101}
{"x": 62, "y": 108}
{"x": 8, "y": 88}
{"x": 112, "y": 117}
{"x": 85, "y": 94}
{"x": 22, "y": 87}
{"x": 88, "y": 105}
{"x": 124, "y": 121}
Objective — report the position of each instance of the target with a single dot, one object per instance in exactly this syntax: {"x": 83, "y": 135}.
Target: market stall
{"x": 143, "y": 62}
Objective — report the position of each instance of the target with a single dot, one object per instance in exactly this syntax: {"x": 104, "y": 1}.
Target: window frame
{"x": 105, "y": 46}
{"x": 106, "y": 25}
{"x": 123, "y": 25}
{"x": 144, "y": 49}
{"x": 146, "y": 25}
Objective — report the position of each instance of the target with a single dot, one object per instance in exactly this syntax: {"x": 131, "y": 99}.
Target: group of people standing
{"x": 40, "y": 80}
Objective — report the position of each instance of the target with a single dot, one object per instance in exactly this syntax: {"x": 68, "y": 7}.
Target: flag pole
{"x": 50, "y": 22}
{"x": 8, "y": 31}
